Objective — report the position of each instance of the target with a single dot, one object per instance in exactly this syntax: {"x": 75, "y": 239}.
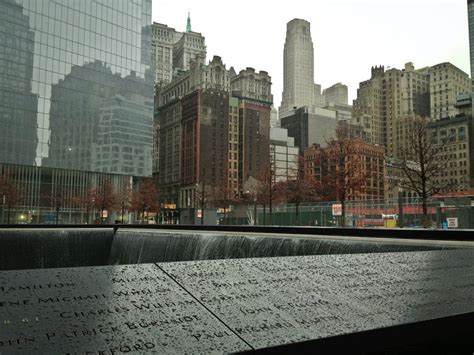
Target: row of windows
{"x": 109, "y": 10}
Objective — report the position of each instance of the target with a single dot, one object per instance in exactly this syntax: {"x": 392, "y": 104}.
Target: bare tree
{"x": 342, "y": 177}
{"x": 223, "y": 196}
{"x": 423, "y": 165}
{"x": 300, "y": 189}
{"x": 124, "y": 197}
{"x": 59, "y": 200}
{"x": 266, "y": 193}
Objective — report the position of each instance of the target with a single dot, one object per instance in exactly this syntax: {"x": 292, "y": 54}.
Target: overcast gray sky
{"x": 349, "y": 36}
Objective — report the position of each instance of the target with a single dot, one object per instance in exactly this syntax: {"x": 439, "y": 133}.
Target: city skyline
{"x": 410, "y": 32}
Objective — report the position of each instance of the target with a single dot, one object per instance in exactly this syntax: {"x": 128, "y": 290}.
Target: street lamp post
{"x": 3, "y": 204}
{"x": 202, "y": 202}
{"x": 255, "y": 222}
{"x": 400, "y": 209}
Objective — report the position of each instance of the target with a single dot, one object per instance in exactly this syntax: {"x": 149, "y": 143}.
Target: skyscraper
{"x": 446, "y": 83}
{"x": 76, "y": 98}
{"x": 162, "y": 43}
{"x": 18, "y": 103}
{"x": 470, "y": 15}
{"x": 388, "y": 102}
{"x": 172, "y": 51}
{"x": 336, "y": 94}
{"x": 299, "y": 88}
{"x": 255, "y": 99}
{"x": 214, "y": 132}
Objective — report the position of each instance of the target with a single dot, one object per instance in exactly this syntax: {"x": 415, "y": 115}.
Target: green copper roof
{"x": 188, "y": 24}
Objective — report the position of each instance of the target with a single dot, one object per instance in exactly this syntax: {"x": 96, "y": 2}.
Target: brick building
{"x": 363, "y": 168}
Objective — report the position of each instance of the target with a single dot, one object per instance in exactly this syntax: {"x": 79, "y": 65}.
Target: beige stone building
{"x": 172, "y": 51}
{"x": 299, "y": 88}
{"x": 446, "y": 83}
{"x": 392, "y": 99}
{"x": 454, "y": 135}
{"x": 162, "y": 43}
{"x": 388, "y": 102}
{"x": 335, "y": 94}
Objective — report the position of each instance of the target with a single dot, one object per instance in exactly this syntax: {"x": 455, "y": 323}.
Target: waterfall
{"x": 147, "y": 246}
{"x": 53, "y": 247}
{"x": 70, "y": 247}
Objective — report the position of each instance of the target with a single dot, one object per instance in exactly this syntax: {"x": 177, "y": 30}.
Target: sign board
{"x": 169, "y": 206}
{"x": 452, "y": 222}
{"x": 105, "y": 214}
{"x": 337, "y": 209}
{"x": 199, "y": 213}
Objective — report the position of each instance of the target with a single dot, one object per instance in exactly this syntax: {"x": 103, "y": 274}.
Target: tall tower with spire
{"x": 173, "y": 51}
{"x": 299, "y": 88}
{"x": 188, "y": 23}
{"x": 190, "y": 47}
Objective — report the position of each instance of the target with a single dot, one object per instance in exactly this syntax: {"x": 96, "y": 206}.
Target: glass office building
{"x": 76, "y": 92}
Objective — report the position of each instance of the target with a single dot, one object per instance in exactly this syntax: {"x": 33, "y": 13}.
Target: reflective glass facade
{"x": 76, "y": 85}
{"x": 470, "y": 16}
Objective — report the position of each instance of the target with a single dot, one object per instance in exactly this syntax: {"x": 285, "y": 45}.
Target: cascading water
{"x": 146, "y": 246}
{"x": 50, "y": 248}
{"x": 53, "y": 248}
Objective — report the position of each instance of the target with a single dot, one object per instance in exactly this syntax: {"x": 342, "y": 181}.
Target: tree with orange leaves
{"x": 85, "y": 201}
{"x": 146, "y": 199}
{"x": 104, "y": 197}
{"x": 10, "y": 193}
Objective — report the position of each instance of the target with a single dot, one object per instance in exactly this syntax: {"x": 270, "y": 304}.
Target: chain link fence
{"x": 394, "y": 213}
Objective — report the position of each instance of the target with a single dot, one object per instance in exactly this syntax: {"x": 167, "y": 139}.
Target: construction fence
{"x": 397, "y": 213}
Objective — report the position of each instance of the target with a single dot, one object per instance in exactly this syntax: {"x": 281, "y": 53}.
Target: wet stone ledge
{"x": 105, "y": 310}
{"x": 223, "y": 306}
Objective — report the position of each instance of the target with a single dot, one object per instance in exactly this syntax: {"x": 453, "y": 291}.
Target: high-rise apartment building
{"x": 388, "y": 102}
{"x": 455, "y": 138}
{"x": 168, "y": 138}
{"x": 164, "y": 39}
{"x": 190, "y": 46}
{"x": 172, "y": 51}
{"x": 234, "y": 151}
{"x": 76, "y": 97}
{"x": 299, "y": 88}
{"x": 214, "y": 131}
{"x": 446, "y": 83}
{"x": 335, "y": 94}
{"x": 455, "y": 135}
{"x": 255, "y": 100}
